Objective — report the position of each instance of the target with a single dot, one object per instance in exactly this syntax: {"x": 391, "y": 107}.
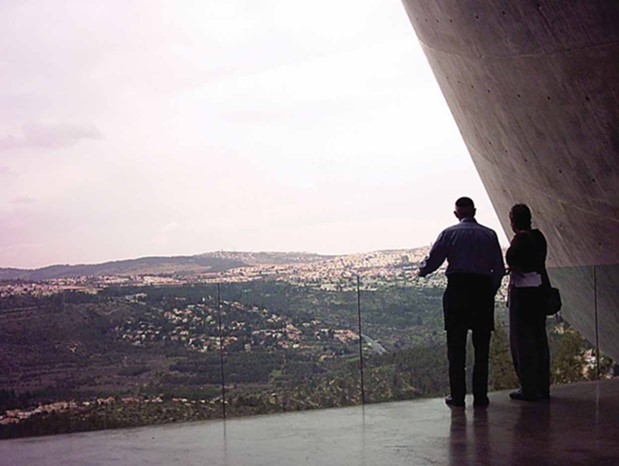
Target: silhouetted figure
{"x": 474, "y": 272}
{"x": 528, "y": 284}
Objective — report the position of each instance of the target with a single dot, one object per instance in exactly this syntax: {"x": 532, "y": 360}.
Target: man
{"x": 474, "y": 272}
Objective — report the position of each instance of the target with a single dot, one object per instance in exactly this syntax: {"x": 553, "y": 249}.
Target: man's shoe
{"x": 481, "y": 402}
{"x": 449, "y": 401}
{"x": 519, "y": 396}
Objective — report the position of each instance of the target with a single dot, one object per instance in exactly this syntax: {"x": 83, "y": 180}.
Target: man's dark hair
{"x": 465, "y": 208}
{"x": 465, "y": 202}
{"x": 520, "y": 216}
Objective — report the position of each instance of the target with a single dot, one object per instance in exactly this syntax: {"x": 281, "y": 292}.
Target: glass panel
{"x": 149, "y": 354}
{"x": 403, "y": 338}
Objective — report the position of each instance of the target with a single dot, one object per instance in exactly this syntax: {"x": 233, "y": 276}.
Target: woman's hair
{"x": 520, "y": 216}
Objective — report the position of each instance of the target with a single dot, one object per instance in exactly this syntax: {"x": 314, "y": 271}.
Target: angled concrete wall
{"x": 534, "y": 89}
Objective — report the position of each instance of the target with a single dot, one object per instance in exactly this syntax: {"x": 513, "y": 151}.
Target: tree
{"x": 568, "y": 362}
{"x": 502, "y": 375}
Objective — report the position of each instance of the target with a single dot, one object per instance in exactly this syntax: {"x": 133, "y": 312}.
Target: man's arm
{"x": 498, "y": 269}
{"x": 437, "y": 256}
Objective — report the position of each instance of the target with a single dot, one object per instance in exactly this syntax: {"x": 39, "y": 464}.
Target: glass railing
{"x": 139, "y": 355}
{"x": 590, "y": 303}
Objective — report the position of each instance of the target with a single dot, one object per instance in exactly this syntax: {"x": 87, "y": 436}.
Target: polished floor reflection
{"x": 580, "y": 426}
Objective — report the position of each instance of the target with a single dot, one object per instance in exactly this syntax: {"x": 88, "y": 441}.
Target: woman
{"x": 526, "y": 258}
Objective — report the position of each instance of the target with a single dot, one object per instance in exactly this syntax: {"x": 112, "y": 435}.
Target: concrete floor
{"x": 579, "y": 426}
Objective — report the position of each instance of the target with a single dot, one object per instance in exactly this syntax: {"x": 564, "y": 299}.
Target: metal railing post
{"x": 360, "y": 342}
{"x": 597, "y": 327}
{"x": 221, "y": 353}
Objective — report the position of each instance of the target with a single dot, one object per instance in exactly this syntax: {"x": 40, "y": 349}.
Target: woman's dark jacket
{"x": 527, "y": 253}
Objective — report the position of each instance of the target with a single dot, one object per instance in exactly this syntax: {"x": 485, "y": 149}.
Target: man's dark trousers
{"x": 468, "y": 303}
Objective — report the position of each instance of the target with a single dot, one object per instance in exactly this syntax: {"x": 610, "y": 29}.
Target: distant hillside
{"x": 265, "y": 258}
{"x": 211, "y": 262}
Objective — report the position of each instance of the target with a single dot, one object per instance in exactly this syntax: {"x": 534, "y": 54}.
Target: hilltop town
{"x": 300, "y": 269}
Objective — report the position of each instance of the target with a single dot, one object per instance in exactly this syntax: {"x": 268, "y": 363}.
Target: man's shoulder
{"x": 487, "y": 229}
{"x": 453, "y": 229}
{"x": 469, "y": 225}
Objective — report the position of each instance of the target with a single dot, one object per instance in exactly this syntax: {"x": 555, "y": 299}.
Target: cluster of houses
{"x": 196, "y": 326}
{"x": 15, "y": 416}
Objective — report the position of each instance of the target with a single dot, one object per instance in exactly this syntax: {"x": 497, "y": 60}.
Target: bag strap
{"x": 546, "y": 279}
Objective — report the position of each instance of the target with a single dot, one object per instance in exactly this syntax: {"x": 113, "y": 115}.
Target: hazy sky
{"x": 156, "y": 127}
